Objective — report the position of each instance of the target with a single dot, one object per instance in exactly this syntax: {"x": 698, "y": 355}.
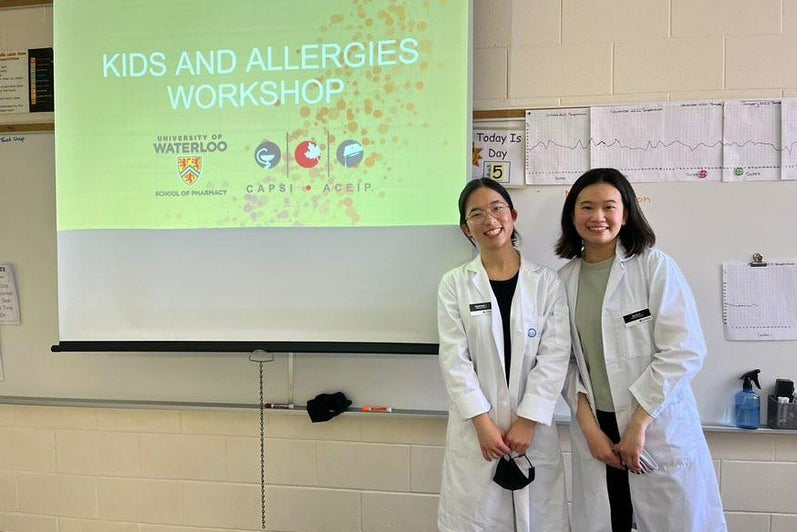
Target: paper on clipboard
{"x": 759, "y": 302}
{"x": 9, "y": 302}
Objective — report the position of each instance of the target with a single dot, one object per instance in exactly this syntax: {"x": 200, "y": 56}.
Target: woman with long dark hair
{"x": 637, "y": 344}
{"x": 504, "y": 352}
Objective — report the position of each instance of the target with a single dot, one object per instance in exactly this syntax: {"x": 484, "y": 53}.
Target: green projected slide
{"x": 244, "y": 113}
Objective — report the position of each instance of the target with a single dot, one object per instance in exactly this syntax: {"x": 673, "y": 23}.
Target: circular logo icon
{"x": 307, "y": 154}
{"x": 532, "y": 332}
{"x": 267, "y": 155}
{"x": 350, "y": 153}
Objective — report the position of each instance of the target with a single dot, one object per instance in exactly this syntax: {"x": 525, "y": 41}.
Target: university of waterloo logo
{"x": 190, "y": 168}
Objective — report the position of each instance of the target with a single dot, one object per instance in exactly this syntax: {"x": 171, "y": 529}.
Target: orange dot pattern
{"x": 372, "y": 110}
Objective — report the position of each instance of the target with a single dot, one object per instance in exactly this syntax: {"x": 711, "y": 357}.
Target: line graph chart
{"x": 665, "y": 142}
{"x": 627, "y": 137}
{"x": 752, "y": 140}
{"x": 736, "y": 140}
{"x": 557, "y": 145}
{"x": 788, "y": 161}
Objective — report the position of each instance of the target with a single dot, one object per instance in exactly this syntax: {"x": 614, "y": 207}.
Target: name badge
{"x": 640, "y": 316}
{"x": 477, "y": 309}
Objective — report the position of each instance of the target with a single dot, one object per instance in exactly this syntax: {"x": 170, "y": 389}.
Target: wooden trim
{"x": 499, "y": 113}
{"x": 24, "y": 3}
{"x": 477, "y": 115}
{"x": 24, "y": 128}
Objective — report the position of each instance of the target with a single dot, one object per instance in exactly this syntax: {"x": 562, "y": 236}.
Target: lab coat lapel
{"x": 482, "y": 285}
{"x": 518, "y": 334}
{"x": 617, "y": 273}
{"x": 479, "y": 278}
{"x": 571, "y": 288}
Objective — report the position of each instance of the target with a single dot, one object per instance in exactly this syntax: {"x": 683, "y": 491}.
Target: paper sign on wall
{"x": 498, "y": 154}
{"x": 759, "y": 303}
{"x": 26, "y": 81}
{"x": 9, "y": 302}
{"x": 13, "y": 81}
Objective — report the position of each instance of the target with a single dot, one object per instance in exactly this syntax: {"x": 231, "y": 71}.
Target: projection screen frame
{"x": 386, "y": 348}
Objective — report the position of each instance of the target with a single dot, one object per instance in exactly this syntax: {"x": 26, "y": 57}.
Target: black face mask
{"x": 510, "y": 476}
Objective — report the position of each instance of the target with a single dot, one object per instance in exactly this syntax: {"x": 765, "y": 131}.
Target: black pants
{"x": 616, "y": 479}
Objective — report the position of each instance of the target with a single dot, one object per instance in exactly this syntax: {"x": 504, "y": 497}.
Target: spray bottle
{"x": 748, "y": 403}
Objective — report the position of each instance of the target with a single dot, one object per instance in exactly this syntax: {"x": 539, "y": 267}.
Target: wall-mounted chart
{"x": 557, "y": 145}
{"x": 788, "y": 161}
{"x": 752, "y": 140}
{"x": 737, "y": 140}
{"x": 758, "y": 303}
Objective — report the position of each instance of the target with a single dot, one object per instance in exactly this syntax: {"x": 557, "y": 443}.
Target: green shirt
{"x": 592, "y": 281}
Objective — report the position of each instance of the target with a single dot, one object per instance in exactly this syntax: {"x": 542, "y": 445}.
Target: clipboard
{"x": 759, "y": 300}
{"x": 758, "y": 260}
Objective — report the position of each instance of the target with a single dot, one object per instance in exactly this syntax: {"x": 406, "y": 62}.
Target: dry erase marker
{"x": 286, "y": 406}
{"x": 377, "y": 409}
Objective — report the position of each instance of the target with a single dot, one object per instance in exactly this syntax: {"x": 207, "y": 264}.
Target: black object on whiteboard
{"x": 758, "y": 260}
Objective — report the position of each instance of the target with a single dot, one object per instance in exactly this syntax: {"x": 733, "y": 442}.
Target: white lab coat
{"x": 472, "y": 362}
{"x": 649, "y": 363}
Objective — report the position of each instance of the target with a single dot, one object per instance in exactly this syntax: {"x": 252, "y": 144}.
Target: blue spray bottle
{"x": 748, "y": 403}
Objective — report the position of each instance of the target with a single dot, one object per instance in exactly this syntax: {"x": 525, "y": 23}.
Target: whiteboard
{"x": 701, "y": 225}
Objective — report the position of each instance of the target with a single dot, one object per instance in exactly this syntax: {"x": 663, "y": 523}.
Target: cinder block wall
{"x": 66, "y": 469}
{"x": 545, "y": 53}
{"x": 142, "y": 470}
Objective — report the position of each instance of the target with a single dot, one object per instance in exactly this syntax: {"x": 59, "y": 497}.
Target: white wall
{"x": 179, "y": 470}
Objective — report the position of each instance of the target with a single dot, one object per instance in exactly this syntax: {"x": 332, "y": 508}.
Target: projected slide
{"x": 281, "y": 171}
{"x": 194, "y": 114}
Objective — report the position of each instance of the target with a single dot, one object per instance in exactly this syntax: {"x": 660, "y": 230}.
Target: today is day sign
{"x": 498, "y": 153}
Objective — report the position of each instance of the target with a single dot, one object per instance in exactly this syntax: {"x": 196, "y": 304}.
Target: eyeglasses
{"x": 497, "y": 211}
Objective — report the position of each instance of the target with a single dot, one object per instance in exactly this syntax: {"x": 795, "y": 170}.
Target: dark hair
{"x": 636, "y": 234}
{"x": 476, "y": 184}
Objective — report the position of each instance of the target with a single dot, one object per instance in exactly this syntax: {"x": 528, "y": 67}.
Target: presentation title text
{"x": 336, "y": 61}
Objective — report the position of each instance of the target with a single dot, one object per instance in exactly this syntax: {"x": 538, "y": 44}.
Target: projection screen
{"x": 265, "y": 172}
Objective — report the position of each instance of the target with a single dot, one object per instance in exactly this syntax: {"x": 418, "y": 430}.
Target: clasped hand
{"x": 495, "y": 443}
{"x": 622, "y": 455}
{"x": 630, "y": 448}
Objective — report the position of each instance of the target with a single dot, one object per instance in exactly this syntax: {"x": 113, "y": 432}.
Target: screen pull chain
{"x": 261, "y": 357}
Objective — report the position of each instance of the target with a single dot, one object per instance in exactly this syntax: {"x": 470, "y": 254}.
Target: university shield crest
{"x": 190, "y": 168}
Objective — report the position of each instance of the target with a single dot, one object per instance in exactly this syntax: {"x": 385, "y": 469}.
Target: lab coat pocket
{"x": 671, "y": 438}
{"x": 479, "y": 332}
{"x": 532, "y": 332}
{"x": 545, "y": 447}
{"x": 531, "y": 344}
{"x": 578, "y": 443}
{"x": 634, "y": 333}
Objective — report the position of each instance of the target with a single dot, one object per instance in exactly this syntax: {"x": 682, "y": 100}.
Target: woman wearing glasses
{"x": 504, "y": 351}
